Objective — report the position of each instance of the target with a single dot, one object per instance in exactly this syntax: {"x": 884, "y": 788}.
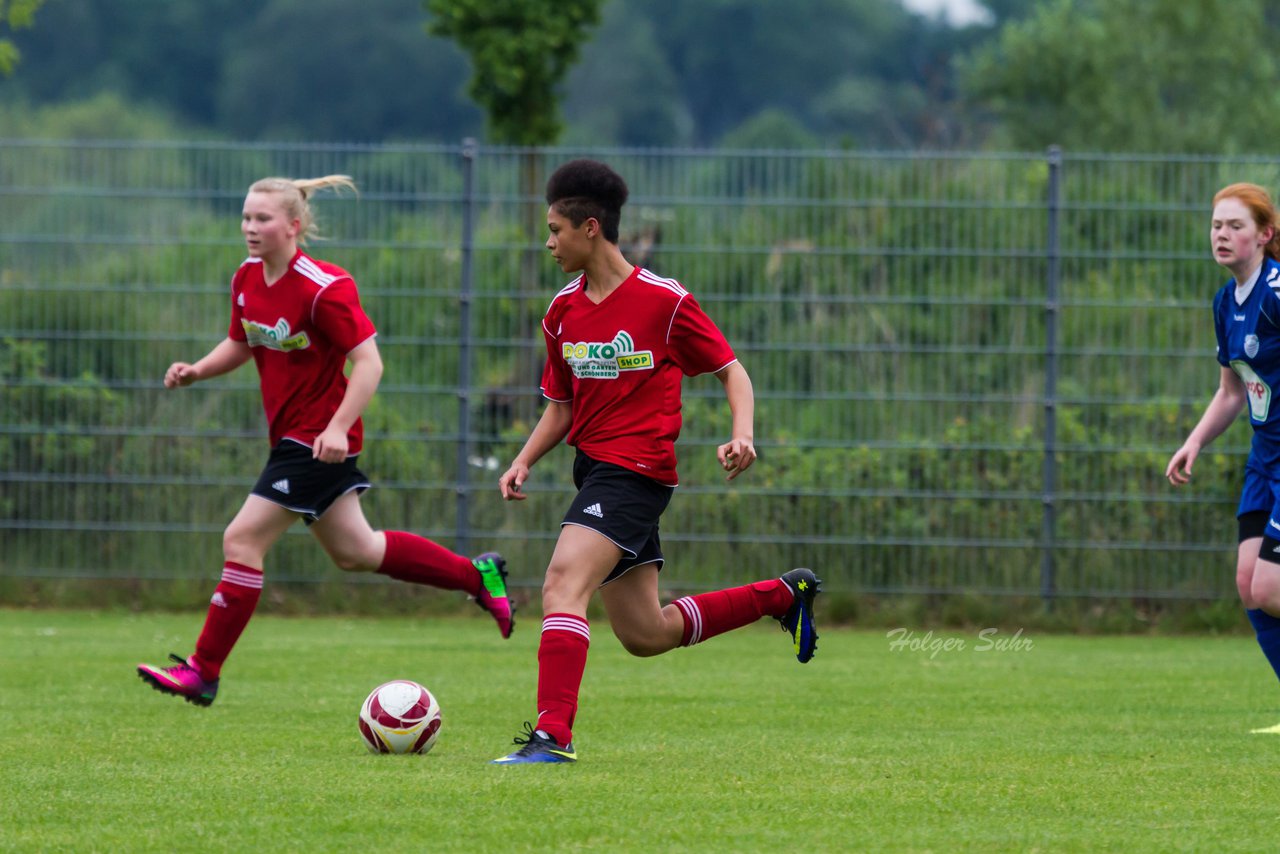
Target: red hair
{"x": 1259, "y": 203}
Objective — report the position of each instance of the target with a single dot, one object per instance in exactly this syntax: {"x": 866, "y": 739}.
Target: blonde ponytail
{"x": 294, "y": 195}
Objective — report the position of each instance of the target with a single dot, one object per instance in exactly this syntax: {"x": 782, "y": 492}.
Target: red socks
{"x": 709, "y": 614}
{"x": 562, "y": 656}
{"x": 408, "y": 558}
{"x": 420, "y": 561}
{"x": 233, "y": 602}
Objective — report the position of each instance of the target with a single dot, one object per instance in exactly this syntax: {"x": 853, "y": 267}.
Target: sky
{"x": 956, "y": 12}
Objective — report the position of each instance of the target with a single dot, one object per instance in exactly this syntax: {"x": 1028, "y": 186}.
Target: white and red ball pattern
{"x": 400, "y": 717}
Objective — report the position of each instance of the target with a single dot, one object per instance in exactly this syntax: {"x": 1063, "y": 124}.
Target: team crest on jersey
{"x": 1251, "y": 345}
{"x": 605, "y": 361}
{"x": 276, "y": 337}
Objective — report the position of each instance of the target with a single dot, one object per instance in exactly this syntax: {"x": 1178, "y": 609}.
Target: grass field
{"x": 1060, "y": 744}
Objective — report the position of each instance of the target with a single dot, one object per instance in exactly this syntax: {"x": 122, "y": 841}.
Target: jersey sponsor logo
{"x": 1237, "y": 317}
{"x": 278, "y": 337}
{"x": 1258, "y": 391}
{"x": 605, "y": 360}
{"x": 1251, "y": 345}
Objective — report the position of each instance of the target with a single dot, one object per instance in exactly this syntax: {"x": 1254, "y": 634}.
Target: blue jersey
{"x": 1249, "y": 344}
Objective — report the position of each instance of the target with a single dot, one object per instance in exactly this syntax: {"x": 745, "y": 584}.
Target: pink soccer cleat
{"x": 182, "y": 680}
{"x": 493, "y": 591}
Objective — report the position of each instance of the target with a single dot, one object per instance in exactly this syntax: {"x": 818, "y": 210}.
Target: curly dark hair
{"x": 582, "y": 189}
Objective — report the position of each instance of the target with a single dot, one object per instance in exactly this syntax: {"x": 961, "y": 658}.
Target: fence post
{"x": 462, "y": 539}
{"x": 1048, "y": 581}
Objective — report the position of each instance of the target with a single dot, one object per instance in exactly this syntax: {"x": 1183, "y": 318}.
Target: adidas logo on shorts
{"x": 281, "y": 486}
{"x": 594, "y": 510}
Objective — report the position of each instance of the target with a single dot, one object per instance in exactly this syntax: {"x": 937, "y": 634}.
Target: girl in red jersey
{"x": 300, "y": 320}
{"x": 619, "y": 340}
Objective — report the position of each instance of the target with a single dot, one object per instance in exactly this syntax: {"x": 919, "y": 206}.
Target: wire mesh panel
{"x": 914, "y": 371}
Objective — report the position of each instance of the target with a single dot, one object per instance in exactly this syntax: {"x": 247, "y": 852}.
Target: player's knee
{"x": 1265, "y": 594}
{"x": 563, "y": 590}
{"x": 353, "y": 561}
{"x": 641, "y": 646}
{"x": 239, "y": 548}
{"x": 346, "y": 563}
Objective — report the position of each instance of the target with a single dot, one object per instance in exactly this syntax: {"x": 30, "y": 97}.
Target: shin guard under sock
{"x": 562, "y": 658}
{"x": 1267, "y": 628}
{"x": 233, "y": 603}
{"x": 420, "y": 561}
{"x": 709, "y": 614}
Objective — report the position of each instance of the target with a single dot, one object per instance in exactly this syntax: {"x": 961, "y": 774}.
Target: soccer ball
{"x": 400, "y": 717}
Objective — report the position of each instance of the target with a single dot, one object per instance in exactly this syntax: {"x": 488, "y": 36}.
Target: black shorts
{"x": 297, "y": 481}
{"x": 623, "y": 506}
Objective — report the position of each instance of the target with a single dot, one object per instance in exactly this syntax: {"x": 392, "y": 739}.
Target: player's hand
{"x": 331, "y": 446}
{"x": 1178, "y": 471}
{"x": 180, "y": 374}
{"x": 512, "y": 480}
{"x": 736, "y": 456}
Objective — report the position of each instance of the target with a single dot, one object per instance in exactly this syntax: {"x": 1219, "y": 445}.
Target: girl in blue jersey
{"x": 1246, "y": 320}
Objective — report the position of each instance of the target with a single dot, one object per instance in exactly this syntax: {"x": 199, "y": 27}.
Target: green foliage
{"x": 14, "y": 15}
{"x": 520, "y": 51}
{"x": 838, "y": 73}
{"x": 890, "y": 311}
{"x": 850, "y": 72}
{"x": 407, "y": 85}
{"x": 105, "y": 115}
{"x": 1131, "y": 75}
{"x": 772, "y": 128}
{"x": 734, "y": 59}
{"x": 46, "y": 415}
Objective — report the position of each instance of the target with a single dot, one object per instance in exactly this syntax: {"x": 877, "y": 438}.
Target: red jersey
{"x": 620, "y": 364}
{"x": 300, "y": 329}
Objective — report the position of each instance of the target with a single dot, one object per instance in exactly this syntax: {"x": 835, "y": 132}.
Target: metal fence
{"x": 970, "y": 368}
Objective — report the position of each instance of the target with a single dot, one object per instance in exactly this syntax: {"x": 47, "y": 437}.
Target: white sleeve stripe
{"x": 671, "y": 324}
{"x": 308, "y": 268}
{"x": 670, "y": 284}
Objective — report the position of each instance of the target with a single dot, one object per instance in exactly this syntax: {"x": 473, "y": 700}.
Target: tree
{"x": 520, "y": 51}
{"x": 333, "y": 69}
{"x": 734, "y": 59}
{"x": 14, "y": 15}
{"x": 1176, "y": 76}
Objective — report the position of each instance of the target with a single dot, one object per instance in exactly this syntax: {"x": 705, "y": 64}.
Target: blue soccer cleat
{"x": 537, "y": 747}
{"x": 799, "y": 617}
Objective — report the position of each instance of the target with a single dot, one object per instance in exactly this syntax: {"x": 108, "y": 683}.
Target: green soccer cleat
{"x": 493, "y": 596}
{"x": 799, "y": 617}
